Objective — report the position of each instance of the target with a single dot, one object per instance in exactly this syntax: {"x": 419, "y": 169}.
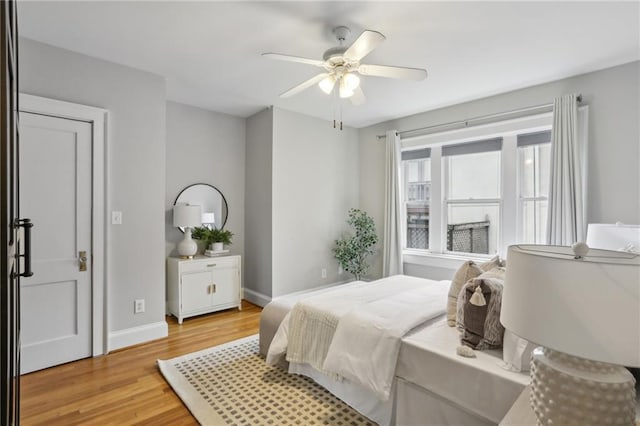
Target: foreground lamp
{"x": 187, "y": 216}
{"x": 583, "y": 307}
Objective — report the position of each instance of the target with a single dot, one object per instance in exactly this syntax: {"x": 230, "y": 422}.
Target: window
{"x": 416, "y": 178}
{"x": 534, "y": 159}
{"x": 479, "y": 189}
{"x": 473, "y": 196}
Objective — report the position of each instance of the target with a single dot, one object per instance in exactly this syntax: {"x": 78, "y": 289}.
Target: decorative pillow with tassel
{"x": 478, "y": 311}
{"x": 494, "y": 262}
{"x": 467, "y": 271}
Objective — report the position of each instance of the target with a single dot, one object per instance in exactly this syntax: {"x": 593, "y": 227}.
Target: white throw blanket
{"x": 377, "y": 315}
{"x": 366, "y": 343}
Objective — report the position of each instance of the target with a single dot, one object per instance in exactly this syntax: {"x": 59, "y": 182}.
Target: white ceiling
{"x": 209, "y": 52}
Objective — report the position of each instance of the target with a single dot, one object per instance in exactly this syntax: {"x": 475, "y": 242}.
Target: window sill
{"x": 440, "y": 260}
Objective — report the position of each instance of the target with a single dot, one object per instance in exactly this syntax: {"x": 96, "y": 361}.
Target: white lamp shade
{"x": 351, "y": 81}
{"x": 327, "y": 83}
{"x": 587, "y": 307}
{"x": 348, "y": 83}
{"x": 614, "y": 236}
{"x": 185, "y": 215}
{"x": 209, "y": 217}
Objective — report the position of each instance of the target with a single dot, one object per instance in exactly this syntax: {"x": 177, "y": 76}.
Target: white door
{"x": 55, "y": 192}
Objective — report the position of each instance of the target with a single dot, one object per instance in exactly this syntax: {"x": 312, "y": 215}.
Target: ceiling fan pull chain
{"x": 333, "y": 106}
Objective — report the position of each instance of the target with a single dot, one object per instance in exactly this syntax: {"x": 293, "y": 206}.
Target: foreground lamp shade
{"x": 585, "y": 311}
{"x": 187, "y": 216}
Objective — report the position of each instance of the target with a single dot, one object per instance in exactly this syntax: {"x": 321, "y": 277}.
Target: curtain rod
{"x": 466, "y": 123}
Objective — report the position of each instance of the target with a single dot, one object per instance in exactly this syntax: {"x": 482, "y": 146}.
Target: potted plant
{"x": 351, "y": 251}
{"x": 214, "y": 239}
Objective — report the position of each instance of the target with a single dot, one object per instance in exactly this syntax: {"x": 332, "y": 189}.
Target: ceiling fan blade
{"x": 393, "y": 72}
{"x": 364, "y": 44}
{"x": 358, "y": 97}
{"x": 304, "y": 85}
{"x": 290, "y": 58}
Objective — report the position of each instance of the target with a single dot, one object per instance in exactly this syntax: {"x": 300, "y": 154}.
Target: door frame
{"x": 98, "y": 118}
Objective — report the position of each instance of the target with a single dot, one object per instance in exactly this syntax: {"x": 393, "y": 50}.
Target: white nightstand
{"x": 202, "y": 285}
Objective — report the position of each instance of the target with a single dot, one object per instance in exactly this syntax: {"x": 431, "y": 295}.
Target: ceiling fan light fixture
{"x": 344, "y": 90}
{"x": 327, "y": 83}
{"x": 351, "y": 81}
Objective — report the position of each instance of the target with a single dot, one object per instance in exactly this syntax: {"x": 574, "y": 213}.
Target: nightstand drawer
{"x": 210, "y": 263}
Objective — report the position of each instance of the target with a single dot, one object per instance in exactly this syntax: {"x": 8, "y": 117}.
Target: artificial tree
{"x": 352, "y": 250}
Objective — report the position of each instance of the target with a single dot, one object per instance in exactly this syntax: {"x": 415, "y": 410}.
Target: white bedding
{"x": 374, "y": 315}
{"x": 366, "y": 343}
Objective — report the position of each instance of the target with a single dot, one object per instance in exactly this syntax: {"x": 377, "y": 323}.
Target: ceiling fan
{"x": 342, "y": 64}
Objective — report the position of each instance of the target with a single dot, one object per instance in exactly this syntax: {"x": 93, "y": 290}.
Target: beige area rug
{"x": 231, "y": 384}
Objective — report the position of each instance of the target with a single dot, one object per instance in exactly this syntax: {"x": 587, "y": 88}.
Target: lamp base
{"x": 187, "y": 248}
{"x": 568, "y": 390}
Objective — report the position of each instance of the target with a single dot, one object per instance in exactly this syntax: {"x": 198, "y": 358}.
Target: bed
{"x": 426, "y": 373}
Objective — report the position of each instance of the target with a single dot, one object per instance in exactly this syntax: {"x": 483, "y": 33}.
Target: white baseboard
{"x": 256, "y": 298}
{"x": 135, "y": 335}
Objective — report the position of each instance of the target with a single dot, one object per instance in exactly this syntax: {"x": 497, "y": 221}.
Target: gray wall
{"x": 205, "y": 147}
{"x": 135, "y": 167}
{"x": 613, "y": 190}
{"x": 258, "y": 202}
{"x": 315, "y": 182}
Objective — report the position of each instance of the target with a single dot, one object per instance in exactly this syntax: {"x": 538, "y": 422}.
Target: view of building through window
{"x": 417, "y": 182}
{"x": 473, "y": 202}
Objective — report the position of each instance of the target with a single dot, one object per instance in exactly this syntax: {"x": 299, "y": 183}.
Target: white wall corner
{"x": 256, "y": 298}
{"x": 136, "y": 335}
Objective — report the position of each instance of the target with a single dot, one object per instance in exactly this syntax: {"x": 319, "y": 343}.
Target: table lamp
{"x": 614, "y": 236}
{"x": 583, "y": 307}
{"x": 187, "y": 216}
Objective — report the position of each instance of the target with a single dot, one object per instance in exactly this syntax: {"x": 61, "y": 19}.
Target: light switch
{"x": 116, "y": 218}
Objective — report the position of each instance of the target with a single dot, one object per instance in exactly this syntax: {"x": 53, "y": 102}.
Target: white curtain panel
{"x": 566, "y": 198}
{"x": 392, "y": 242}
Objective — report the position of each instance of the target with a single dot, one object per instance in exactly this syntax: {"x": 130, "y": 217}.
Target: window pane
{"x": 534, "y": 164}
{"x": 534, "y": 221}
{"x": 474, "y": 176}
{"x": 417, "y": 190}
{"x": 473, "y": 228}
{"x": 534, "y": 170}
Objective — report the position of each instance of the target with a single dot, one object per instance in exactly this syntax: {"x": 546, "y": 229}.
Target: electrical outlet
{"x": 116, "y": 218}
{"x": 323, "y": 273}
{"x": 138, "y": 306}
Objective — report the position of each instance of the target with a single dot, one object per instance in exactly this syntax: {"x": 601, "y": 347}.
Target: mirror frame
{"x": 226, "y": 216}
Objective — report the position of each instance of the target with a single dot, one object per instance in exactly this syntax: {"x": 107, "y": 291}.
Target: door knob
{"x": 83, "y": 260}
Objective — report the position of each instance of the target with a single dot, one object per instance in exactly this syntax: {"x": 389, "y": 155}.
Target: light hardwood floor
{"x": 125, "y": 387}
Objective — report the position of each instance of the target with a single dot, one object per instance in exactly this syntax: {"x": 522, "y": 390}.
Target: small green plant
{"x": 212, "y": 235}
{"x": 352, "y": 250}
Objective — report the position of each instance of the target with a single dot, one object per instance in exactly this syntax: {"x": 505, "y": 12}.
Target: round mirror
{"x": 212, "y": 202}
